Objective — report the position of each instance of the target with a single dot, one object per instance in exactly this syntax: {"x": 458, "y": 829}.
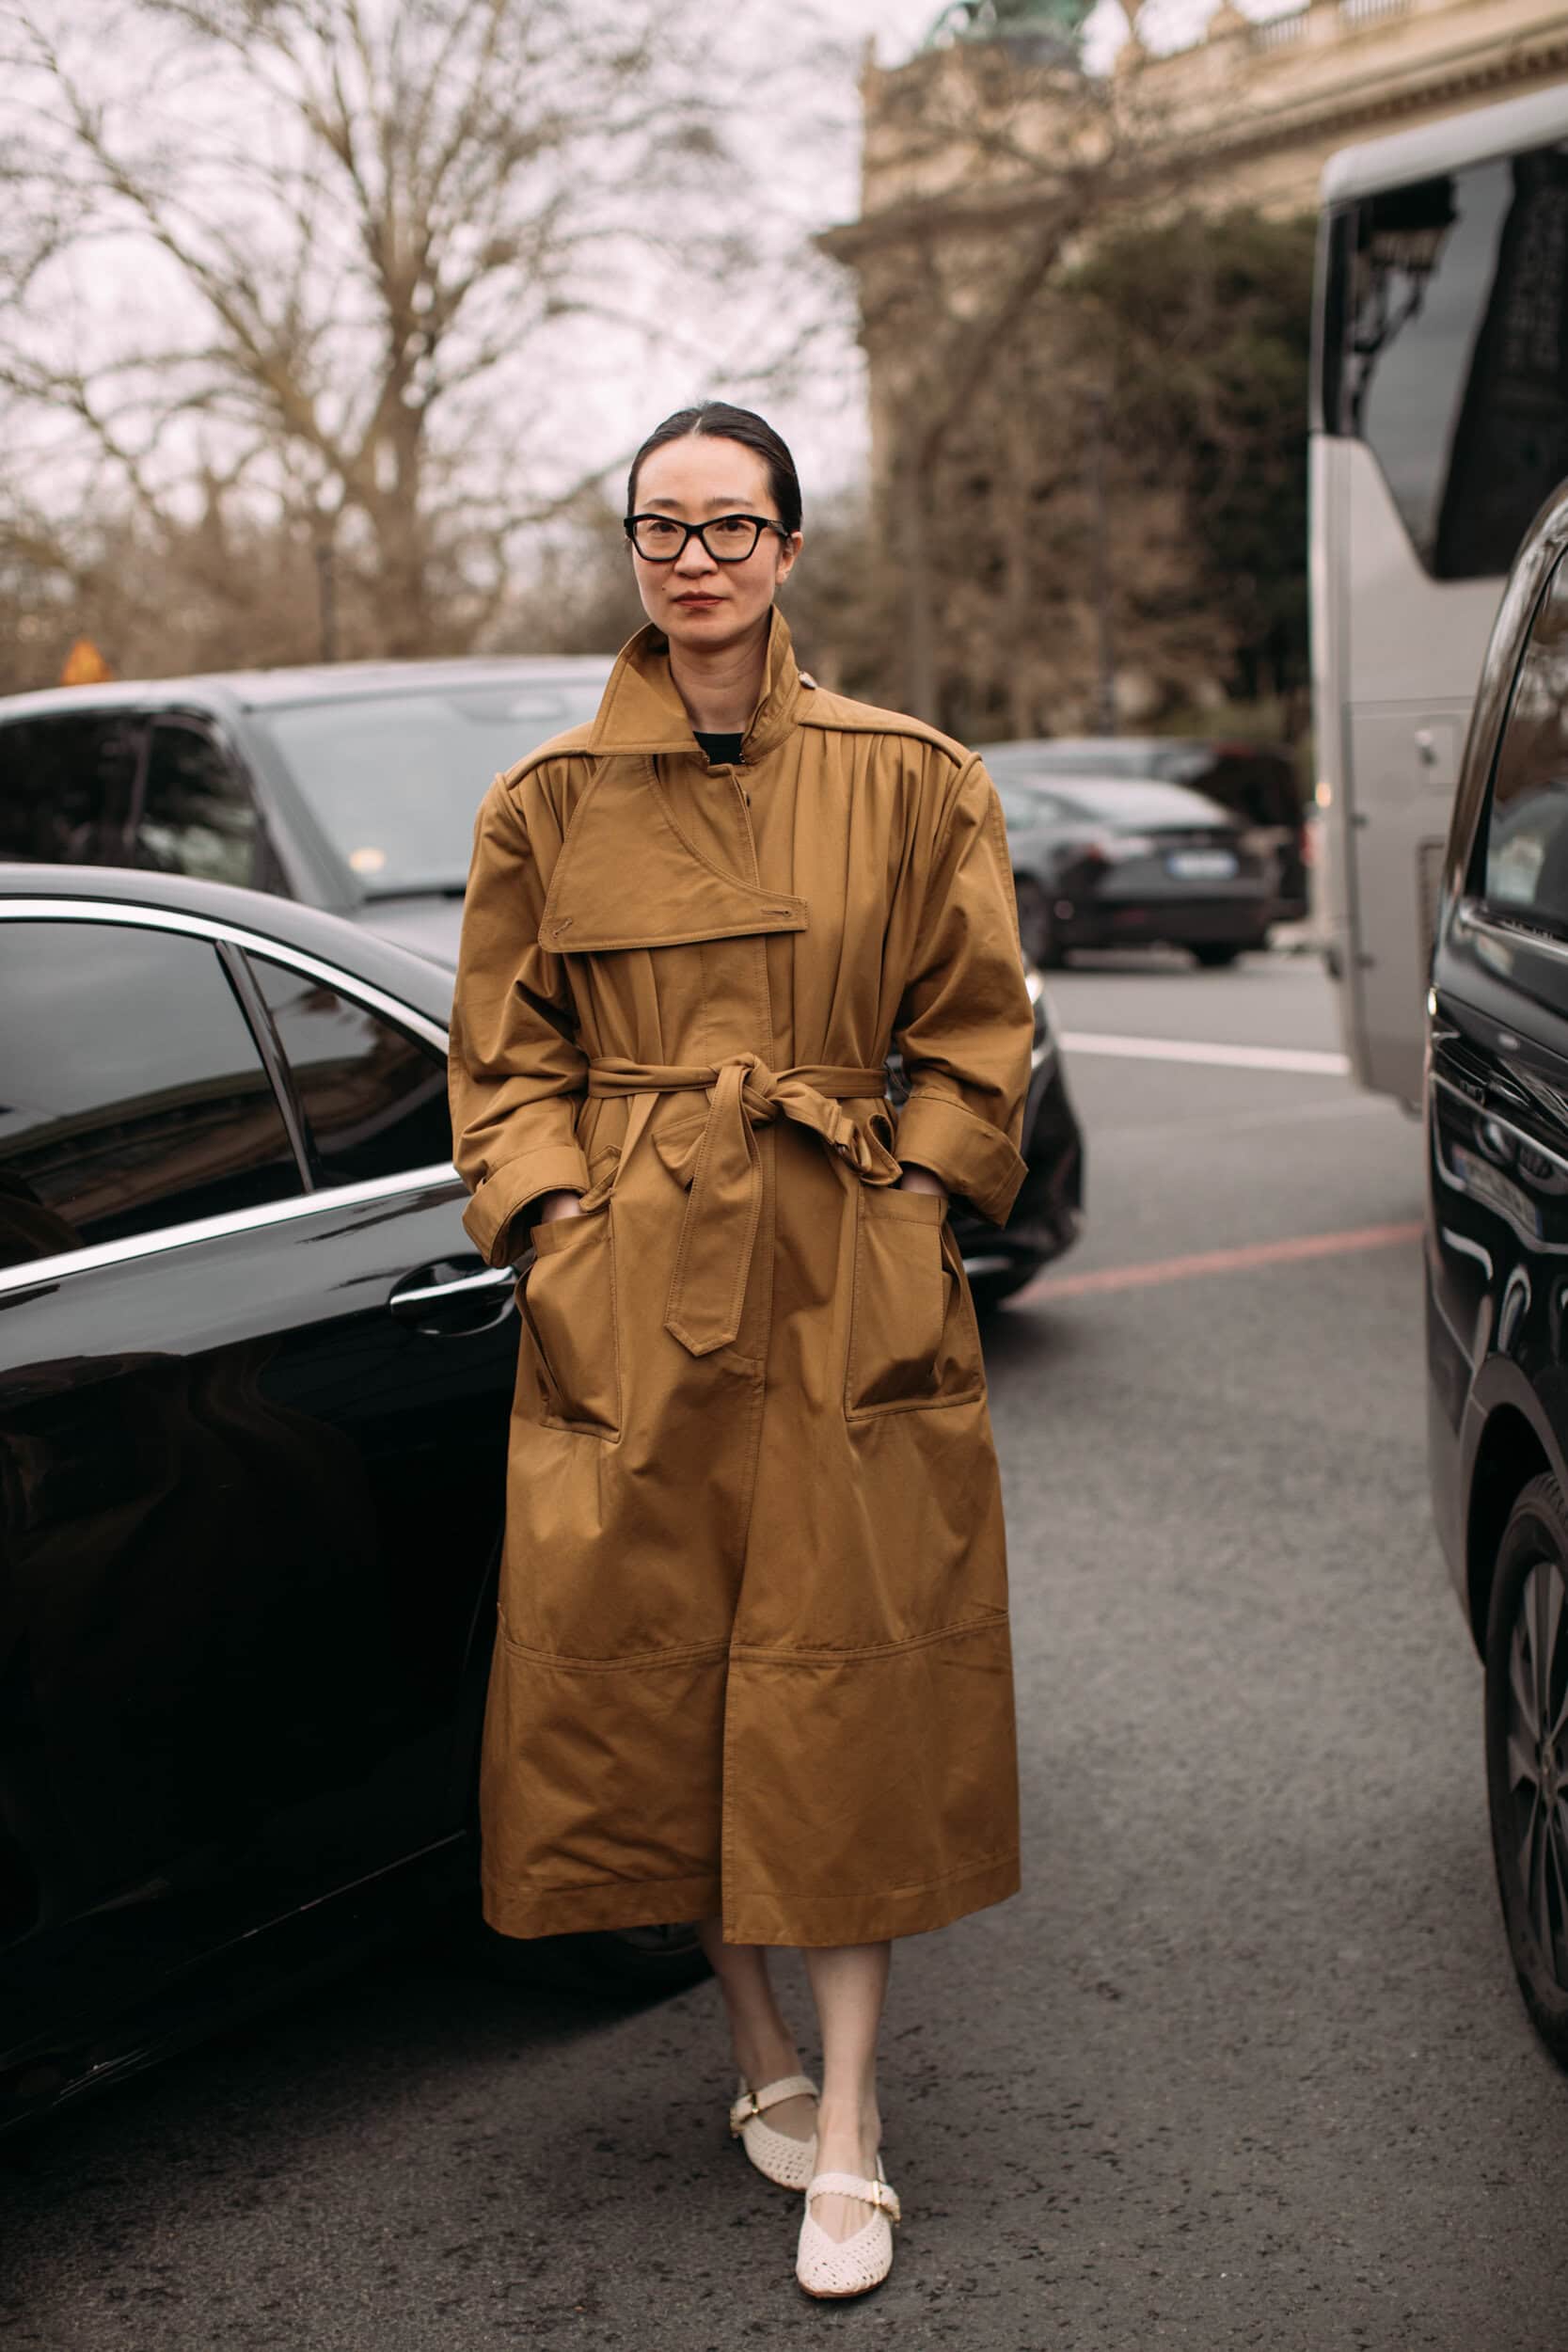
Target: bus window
{"x": 1444, "y": 348}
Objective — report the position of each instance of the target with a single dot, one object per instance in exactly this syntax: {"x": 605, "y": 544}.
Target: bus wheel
{"x": 1214, "y": 954}
{"x": 1526, "y": 1751}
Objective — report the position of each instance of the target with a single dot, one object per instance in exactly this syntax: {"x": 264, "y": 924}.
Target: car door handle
{"x": 416, "y": 1295}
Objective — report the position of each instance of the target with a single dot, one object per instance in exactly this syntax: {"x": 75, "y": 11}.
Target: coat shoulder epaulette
{"x": 838, "y": 714}
{"x": 573, "y": 744}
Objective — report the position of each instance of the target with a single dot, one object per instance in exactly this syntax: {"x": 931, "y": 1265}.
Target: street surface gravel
{"x": 1243, "y": 2065}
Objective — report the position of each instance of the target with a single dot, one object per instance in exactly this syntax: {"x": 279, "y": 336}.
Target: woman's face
{"x": 702, "y": 605}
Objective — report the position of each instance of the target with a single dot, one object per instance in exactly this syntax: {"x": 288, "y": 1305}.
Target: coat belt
{"x": 713, "y": 1260}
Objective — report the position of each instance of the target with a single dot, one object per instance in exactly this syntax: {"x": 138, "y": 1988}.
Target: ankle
{"x": 852, "y": 2122}
{"x": 763, "y": 2061}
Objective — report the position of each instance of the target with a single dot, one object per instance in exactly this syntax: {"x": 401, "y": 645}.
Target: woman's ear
{"x": 788, "y": 552}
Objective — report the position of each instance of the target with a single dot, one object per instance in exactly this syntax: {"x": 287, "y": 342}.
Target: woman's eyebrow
{"x": 715, "y": 506}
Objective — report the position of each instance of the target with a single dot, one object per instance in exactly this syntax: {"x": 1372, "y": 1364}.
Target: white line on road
{"x": 1290, "y": 1058}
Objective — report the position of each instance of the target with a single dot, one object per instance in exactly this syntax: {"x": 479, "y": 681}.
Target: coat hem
{"x": 817, "y": 1920}
{"x": 599, "y": 1906}
{"x": 761, "y": 1917}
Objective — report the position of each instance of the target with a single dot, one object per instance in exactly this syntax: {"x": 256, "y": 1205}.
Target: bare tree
{"x": 344, "y": 256}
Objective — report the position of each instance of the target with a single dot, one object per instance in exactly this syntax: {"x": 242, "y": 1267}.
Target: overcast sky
{"x": 823, "y": 412}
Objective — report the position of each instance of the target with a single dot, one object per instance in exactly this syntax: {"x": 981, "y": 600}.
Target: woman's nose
{"x": 694, "y": 558}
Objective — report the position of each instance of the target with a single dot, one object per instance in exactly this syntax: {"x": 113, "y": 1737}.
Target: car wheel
{"x": 1035, "y": 926}
{"x": 989, "y": 1290}
{"x": 628, "y": 1964}
{"x": 1214, "y": 954}
{"x": 1526, "y": 1751}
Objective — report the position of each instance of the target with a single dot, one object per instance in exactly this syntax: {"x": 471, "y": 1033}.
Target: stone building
{"x": 989, "y": 159}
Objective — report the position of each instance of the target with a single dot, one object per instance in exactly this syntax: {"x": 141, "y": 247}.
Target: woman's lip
{"x": 697, "y": 599}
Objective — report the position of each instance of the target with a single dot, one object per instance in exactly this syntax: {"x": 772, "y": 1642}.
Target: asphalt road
{"x": 1244, "y": 2065}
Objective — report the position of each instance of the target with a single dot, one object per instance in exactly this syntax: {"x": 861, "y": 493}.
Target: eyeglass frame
{"x": 697, "y": 530}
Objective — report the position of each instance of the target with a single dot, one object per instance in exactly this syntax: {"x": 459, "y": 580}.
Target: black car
{"x": 1497, "y": 1246}
{"x": 254, "y": 1395}
{"x": 1256, "y": 782}
{"x": 353, "y": 788}
{"x": 1103, "y": 864}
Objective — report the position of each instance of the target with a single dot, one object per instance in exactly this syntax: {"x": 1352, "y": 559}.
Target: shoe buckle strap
{"x": 875, "y": 2193}
{"x": 752, "y": 2104}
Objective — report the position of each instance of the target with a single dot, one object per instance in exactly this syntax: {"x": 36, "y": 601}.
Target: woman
{"x": 753, "y": 1665}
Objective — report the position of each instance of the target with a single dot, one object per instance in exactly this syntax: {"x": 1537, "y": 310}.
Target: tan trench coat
{"x": 753, "y": 1657}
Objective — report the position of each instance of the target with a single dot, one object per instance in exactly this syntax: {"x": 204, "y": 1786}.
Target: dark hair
{"x": 716, "y": 420}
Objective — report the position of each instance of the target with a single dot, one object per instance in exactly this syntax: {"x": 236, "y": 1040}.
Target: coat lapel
{"x": 627, "y": 876}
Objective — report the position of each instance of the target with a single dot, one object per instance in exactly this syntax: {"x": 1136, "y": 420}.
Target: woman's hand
{"x": 554, "y": 1205}
{"x": 922, "y": 1180}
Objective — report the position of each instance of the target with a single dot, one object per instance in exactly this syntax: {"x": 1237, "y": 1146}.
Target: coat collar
{"x": 641, "y": 711}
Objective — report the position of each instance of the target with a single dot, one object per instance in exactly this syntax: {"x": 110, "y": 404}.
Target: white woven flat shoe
{"x": 786, "y": 2160}
{"x": 832, "y": 2268}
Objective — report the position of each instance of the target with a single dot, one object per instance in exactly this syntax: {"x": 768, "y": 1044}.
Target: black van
{"x": 1497, "y": 1244}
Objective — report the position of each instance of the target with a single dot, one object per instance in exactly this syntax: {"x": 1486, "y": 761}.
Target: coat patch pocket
{"x": 567, "y": 1299}
{"x": 912, "y": 1338}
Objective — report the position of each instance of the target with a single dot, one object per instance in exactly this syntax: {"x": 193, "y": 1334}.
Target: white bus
{"x": 1439, "y": 425}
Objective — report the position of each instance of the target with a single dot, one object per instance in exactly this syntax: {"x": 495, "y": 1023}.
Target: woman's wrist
{"x": 921, "y": 1180}
{"x": 554, "y": 1205}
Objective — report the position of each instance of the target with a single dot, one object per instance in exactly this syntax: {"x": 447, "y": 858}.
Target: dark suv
{"x": 1256, "y": 782}
{"x": 1497, "y": 1249}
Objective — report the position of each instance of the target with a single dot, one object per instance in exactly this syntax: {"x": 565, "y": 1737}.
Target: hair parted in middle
{"x": 716, "y": 419}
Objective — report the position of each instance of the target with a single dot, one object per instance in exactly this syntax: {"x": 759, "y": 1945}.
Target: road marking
{"x": 1048, "y": 1287}
{"x": 1290, "y": 1057}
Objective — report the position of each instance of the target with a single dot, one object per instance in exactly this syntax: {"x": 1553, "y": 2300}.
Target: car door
{"x": 251, "y": 1470}
{"x": 1497, "y": 1096}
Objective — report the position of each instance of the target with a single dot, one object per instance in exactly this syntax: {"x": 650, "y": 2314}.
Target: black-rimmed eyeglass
{"x": 727, "y": 538}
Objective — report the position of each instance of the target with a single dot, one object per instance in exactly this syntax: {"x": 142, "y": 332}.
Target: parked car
{"x": 353, "y": 788}
{"x": 1097, "y": 863}
{"x": 254, "y": 1395}
{"x": 1000, "y": 1260}
{"x": 1256, "y": 782}
{"x": 1497, "y": 1246}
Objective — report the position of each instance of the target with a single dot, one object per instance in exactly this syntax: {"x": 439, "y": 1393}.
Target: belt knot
{"x": 713, "y": 1257}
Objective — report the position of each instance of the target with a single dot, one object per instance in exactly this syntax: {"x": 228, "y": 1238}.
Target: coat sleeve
{"x": 516, "y": 1073}
{"x": 965, "y": 1025}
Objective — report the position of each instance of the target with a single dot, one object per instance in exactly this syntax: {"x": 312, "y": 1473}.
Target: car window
{"x": 1526, "y": 856}
{"x": 131, "y": 1093}
{"x": 66, "y": 784}
{"x": 375, "y": 1098}
{"x": 196, "y": 815}
{"x": 394, "y": 780}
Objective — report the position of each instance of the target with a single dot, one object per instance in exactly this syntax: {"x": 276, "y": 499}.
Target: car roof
{"x": 417, "y": 980}
{"x": 1218, "y": 745}
{"x": 322, "y": 682}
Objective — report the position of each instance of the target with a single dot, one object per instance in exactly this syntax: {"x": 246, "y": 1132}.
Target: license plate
{"x": 1202, "y": 864}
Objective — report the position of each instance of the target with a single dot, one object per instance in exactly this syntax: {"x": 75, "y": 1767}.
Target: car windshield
{"x": 1025, "y": 811}
{"x": 394, "y": 780}
{"x": 1137, "y": 804}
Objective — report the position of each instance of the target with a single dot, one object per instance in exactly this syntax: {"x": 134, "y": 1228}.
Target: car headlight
{"x": 1039, "y": 1005}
